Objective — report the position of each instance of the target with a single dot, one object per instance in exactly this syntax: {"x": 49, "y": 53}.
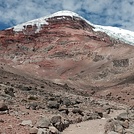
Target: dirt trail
{"x": 90, "y": 127}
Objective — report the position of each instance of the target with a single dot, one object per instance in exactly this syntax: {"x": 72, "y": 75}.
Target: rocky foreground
{"x": 33, "y": 106}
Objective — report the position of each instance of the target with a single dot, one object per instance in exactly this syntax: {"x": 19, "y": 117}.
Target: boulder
{"x": 118, "y": 128}
{"x": 59, "y": 126}
{"x": 26, "y": 123}
{"x": 66, "y": 101}
{"x": 24, "y": 88}
{"x": 123, "y": 116}
{"x": 131, "y": 115}
{"x": 3, "y": 106}
{"x": 94, "y": 116}
{"x": 1, "y": 121}
{"x": 42, "y": 131}
{"x": 59, "y": 123}
{"x": 125, "y": 124}
{"x": 53, "y": 130}
{"x": 66, "y": 123}
{"x": 10, "y": 91}
{"x": 33, "y": 130}
{"x": 55, "y": 119}
{"x": 109, "y": 126}
{"x": 33, "y": 106}
{"x": 32, "y": 97}
{"x": 77, "y": 110}
{"x": 99, "y": 111}
{"x": 75, "y": 119}
{"x": 43, "y": 122}
{"x": 64, "y": 110}
{"x": 53, "y": 105}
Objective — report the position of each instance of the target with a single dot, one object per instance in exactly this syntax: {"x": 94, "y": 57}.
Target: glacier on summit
{"x": 117, "y": 33}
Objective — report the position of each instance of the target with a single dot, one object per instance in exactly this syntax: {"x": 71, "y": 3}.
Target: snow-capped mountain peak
{"x": 118, "y": 33}
{"x": 64, "y": 13}
{"x": 43, "y": 20}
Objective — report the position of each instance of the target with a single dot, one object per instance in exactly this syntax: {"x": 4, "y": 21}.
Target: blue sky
{"x": 103, "y": 12}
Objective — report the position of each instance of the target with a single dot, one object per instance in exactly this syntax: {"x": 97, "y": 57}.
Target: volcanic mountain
{"x": 67, "y": 49}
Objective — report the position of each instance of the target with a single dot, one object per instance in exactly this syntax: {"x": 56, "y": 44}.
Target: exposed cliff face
{"x": 67, "y": 49}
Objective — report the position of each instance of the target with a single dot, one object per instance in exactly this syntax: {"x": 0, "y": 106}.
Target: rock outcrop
{"x": 123, "y": 124}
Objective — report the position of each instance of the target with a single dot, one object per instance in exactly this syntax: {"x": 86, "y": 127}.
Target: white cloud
{"x": 104, "y": 12}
